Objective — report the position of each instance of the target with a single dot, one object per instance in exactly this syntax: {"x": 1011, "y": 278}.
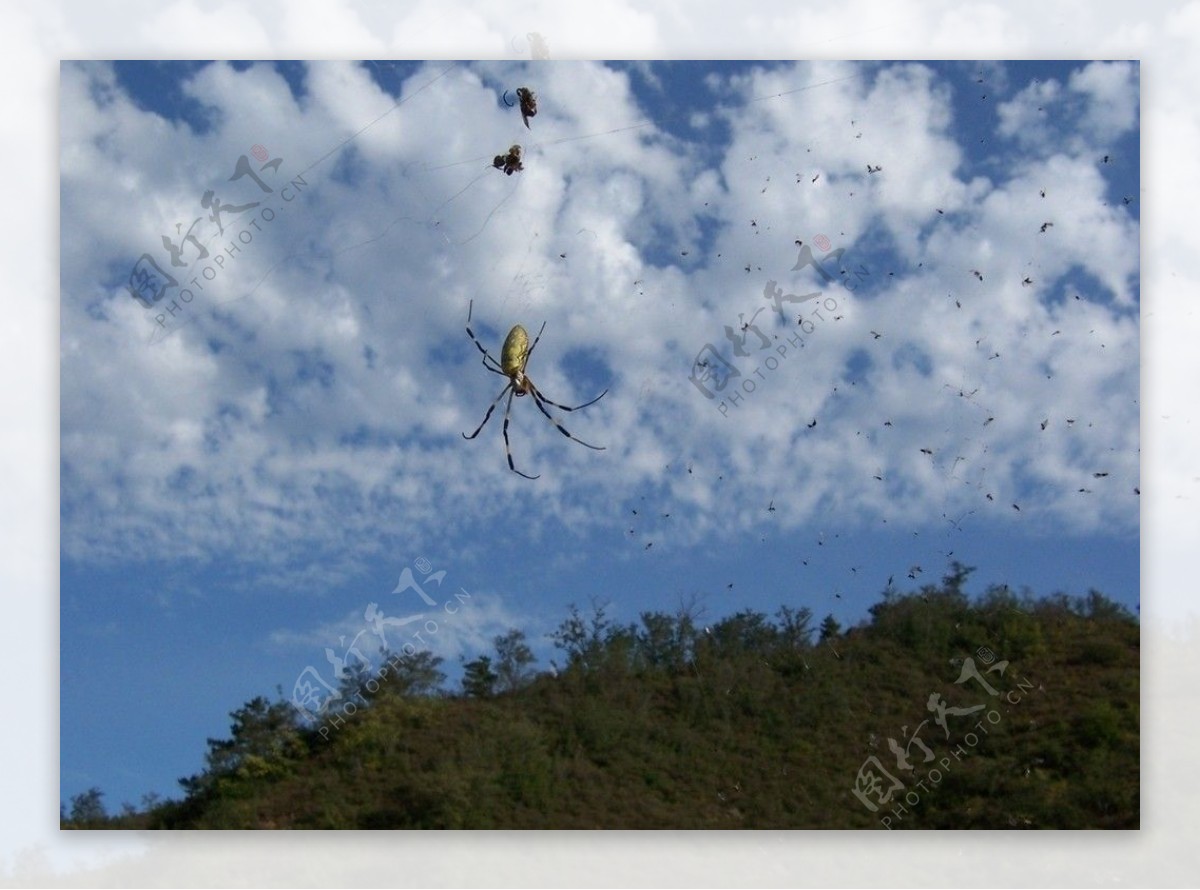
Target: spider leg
{"x": 507, "y": 447}
{"x": 531, "y": 348}
{"x": 577, "y": 407}
{"x": 487, "y": 356}
{"x": 492, "y": 408}
{"x": 493, "y": 370}
{"x": 537, "y": 399}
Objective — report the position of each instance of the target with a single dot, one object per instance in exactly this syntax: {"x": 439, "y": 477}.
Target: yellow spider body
{"x": 513, "y": 357}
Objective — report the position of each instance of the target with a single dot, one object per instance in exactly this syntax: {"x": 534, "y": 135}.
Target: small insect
{"x": 528, "y": 100}
{"x": 509, "y": 163}
{"x": 514, "y": 356}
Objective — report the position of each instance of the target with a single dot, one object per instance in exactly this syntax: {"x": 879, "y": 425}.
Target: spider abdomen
{"x": 512, "y": 356}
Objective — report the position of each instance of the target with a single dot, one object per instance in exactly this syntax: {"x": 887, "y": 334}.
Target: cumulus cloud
{"x": 308, "y": 403}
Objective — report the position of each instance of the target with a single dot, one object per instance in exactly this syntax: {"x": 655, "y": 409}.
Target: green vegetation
{"x": 746, "y": 723}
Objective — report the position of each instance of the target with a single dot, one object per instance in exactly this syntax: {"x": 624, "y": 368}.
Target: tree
{"x": 795, "y": 627}
{"x": 956, "y": 575}
{"x": 665, "y": 642}
{"x": 479, "y": 680}
{"x": 513, "y": 660}
{"x": 583, "y": 641}
{"x": 744, "y": 631}
{"x": 87, "y": 808}
{"x": 265, "y": 739}
{"x": 412, "y": 674}
{"x": 1100, "y": 607}
{"x": 830, "y": 629}
{"x": 356, "y": 682}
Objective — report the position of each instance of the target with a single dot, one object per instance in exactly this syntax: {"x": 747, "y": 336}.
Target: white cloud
{"x": 325, "y": 398}
{"x": 1097, "y": 106}
{"x": 1112, "y": 91}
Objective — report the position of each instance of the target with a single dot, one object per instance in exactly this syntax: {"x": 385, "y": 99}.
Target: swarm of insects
{"x": 509, "y": 163}
{"x": 514, "y": 356}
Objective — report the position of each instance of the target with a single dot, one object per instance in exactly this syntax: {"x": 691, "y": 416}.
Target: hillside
{"x": 1008, "y": 712}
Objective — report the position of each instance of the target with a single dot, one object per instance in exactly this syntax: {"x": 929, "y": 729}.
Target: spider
{"x": 514, "y": 356}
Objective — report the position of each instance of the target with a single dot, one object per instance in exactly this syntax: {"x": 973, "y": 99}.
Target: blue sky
{"x": 241, "y": 480}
